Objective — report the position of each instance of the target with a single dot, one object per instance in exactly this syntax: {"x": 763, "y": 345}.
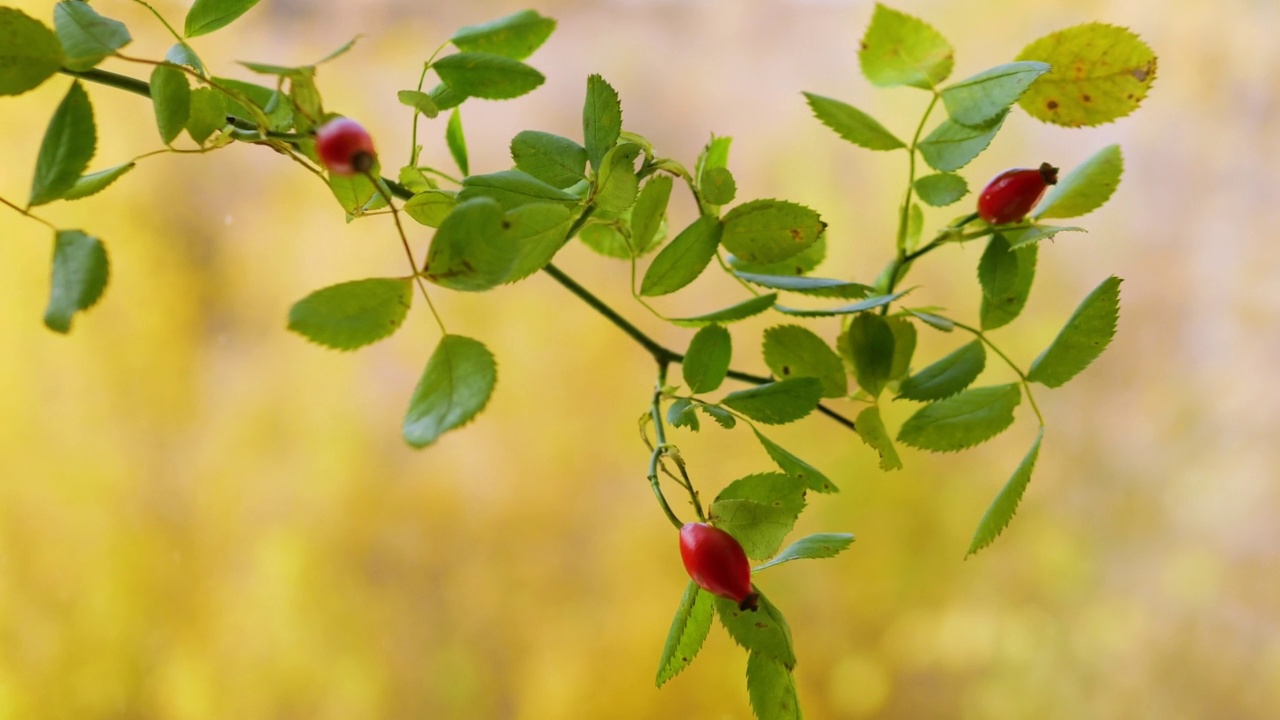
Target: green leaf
{"x": 93, "y": 183}
{"x": 86, "y": 36}
{"x": 715, "y": 154}
{"x": 80, "y": 272}
{"x": 794, "y": 351}
{"x": 1001, "y": 511}
{"x": 272, "y": 105}
{"x": 515, "y": 36}
{"x": 941, "y": 189}
{"x": 963, "y": 420}
{"x": 777, "y": 403}
{"x": 763, "y": 630}
{"x": 1000, "y": 309}
{"x": 869, "y": 304}
{"x": 707, "y": 361}
{"x": 356, "y": 193}
{"x": 681, "y": 414}
{"x": 617, "y": 184}
{"x": 431, "y": 207}
{"x": 552, "y": 159}
{"x": 899, "y": 49}
{"x": 937, "y": 322}
{"x": 488, "y": 76}
{"x": 419, "y": 101}
{"x": 852, "y": 124}
{"x": 870, "y": 343}
{"x": 818, "y": 287}
{"x": 208, "y": 113}
{"x": 469, "y": 251}
{"x": 718, "y": 187}
{"x": 649, "y": 212}
{"x": 1100, "y": 73}
{"x": 445, "y": 97}
{"x": 171, "y": 95}
{"x": 601, "y": 119}
{"x": 795, "y": 467}
{"x": 805, "y": 261}
{"x": 29, "y": 54}
{"x": 353, "y": 314}
{"x": 777, "y": 490}
{"x": 1086, "y": 188}
{"x": 998, "y": 268}
{"x": 946, "y": 377}
{"x": 537, "y": 232}
{"x": 1022, "y": 237}
{"x": 760, "y": 528}
{"x": 205, "y": 16}
{"x": 181, "y": 53}
{"x": 772, "y": 689}
{"x": 513, "y": 188}
{"x": 683, "y": 259}
{"x": 454, "y": 388}
{"x": 608, "y": 238}
{"x": 873, "y": 432}
{"x": 979, "y": 99}
{"x": 689, "y": 629}
{"x": 951, "y": 145}
{"x": 811, "y": 547}
{"x": 1084, "y": 337}
{"x": 457, "y": 143}
{"x": 415, "y": 180}
{"x": 733, "y": 313}
{"x": 68, "y": 146}
{"x": 904, "y": 346}
{"x": 767, "y": 231}
{"x": 723, "y": 418}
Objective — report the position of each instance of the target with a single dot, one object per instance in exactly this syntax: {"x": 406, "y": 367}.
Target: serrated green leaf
{"x": 29, "y": 55}
{"x": 818, "y": 287}
{"x": 707, "y": 361}
{"x": 870, "y": 343}
{"x": 488, "y": 76}
{"x": 93, "y": 183}
{"x": 356, "y": 193}
{"x": 999, "y": 310}
{"x": 795, "y": 467}
{"x": 469, "y": 251}
{"x": 811, "y": 547}
{"x": 171, "y": 95}
{"x": 873, "y": 432}
{"x": 353, "y": 314}
{"x": 689, "y": 629}
{"x": 616, "y": 183}
{"x": 208, "y": 113}
{"x": 1022, "y": 237}
{"x": 86, "y": 36}
{"x": 419, "y": 101}
{"x": 454, "y": 388}
{"x": 681, "y": 414}
{"x": 537, "y": 231}
{"x": 946, "y": 377}
{"x": 552, "y": 159}
{"x": 415, "y": 180}
{"x": 794, "y": 351}
{"x": 869, "y": 304}
{"x": 904, "y": 346}
{"x": 723, "y": 418}
{"x": 683, "y": 259}
{"x": 68, "y": 146}
{"x": 1001, "y": 511}
{"x": 431, "y": 207}
{"x": 963, "y": 420}
{"x": 1085, "y": 336}
{"x": 1100, "y": 73}
{"x": 805, "y": 261}
{"x": 777, "y": 490}
{"x": 733, "y": 313}
{"x": 715, "y": 154}
{"x": 936, "y": 322}
{"x": 768, "y": 231}
{"x": 445, "y": 97}
{"x": 293, "y": 72}
{"x": 760, "y": 528}
{"x": 718, "y": 187}
{"x": 772, "y": 689}
{"x": 205, "y": 16}
{"x": 941, "y": 189}
{"x": 181, "y": 54}
{"x": 80, "y": 273}
{"x": 980, "y": 98}
{"x": 515, "y": 36}
{"x": 649, "y": 212}
{"x": 951, "y": 145}
{"x": 513, "y": 188}
{"x": 608, "y": 238}
{"x": 763, "y": 630}
{"x": 270, "y": 104}
{"x": 457, "y": 143}
{"x": 852, "y": 124}
{"x": 778, "y": 402}
{"x": 601, "y": 119}
{"x": 899, "y": 49}
{"x": 1086, "y": 188}
{"x": 998, "y": 268}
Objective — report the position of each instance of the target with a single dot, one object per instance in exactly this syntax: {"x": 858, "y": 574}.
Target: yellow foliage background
{"x": 204, "y": 516}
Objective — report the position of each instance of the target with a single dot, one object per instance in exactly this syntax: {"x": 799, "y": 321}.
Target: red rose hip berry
{"x": 1012, "y": 194}
{"x": 345, "y": 147}
{"x": 717, "y": 563}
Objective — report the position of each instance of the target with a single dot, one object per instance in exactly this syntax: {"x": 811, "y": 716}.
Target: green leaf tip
{"x": 1002, "y": 509}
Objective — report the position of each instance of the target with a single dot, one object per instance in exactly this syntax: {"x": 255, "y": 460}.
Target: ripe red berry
{"x": 1012, "y": 194}
{"x": 345, "y": 147}
{"x": 717, "y": 563}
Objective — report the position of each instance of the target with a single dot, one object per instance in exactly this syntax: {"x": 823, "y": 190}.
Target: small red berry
{"x": 717, "y": 563}
{"x": 345, "y": 147}
{"x": 1012, "y": 194}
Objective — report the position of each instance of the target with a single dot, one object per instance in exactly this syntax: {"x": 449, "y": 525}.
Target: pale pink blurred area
{"x": 202, "y": 515}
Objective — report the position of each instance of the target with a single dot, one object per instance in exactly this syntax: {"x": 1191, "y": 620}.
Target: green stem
{"x": 27, "y": 212}
{"x": 164, "y": 22}
{"x": 404, "y": 240}
{"x": 1022, "y": 377}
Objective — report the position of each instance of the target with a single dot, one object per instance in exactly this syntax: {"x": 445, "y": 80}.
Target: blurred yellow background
{"x": 204, "y": 516}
